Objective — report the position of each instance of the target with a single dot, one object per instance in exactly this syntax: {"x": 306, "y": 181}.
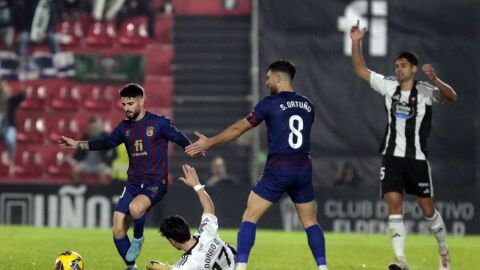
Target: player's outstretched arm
{"x": 358, "y": 62}
{"x": 203, "y": 143}
{"x": 65, "y": 142}
{"x": 191, "y": 179}
{"x": 447, "y": 91}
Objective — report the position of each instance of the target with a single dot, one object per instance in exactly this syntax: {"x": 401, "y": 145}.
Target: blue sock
{"x": 245, "y": 240}
{"x": 316, "y": 241}
{"x": 122, "y": 247}
{"x": 138, "y": 226}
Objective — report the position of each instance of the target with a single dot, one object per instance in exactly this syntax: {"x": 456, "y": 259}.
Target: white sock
{"x": 437, "y": 227}
{"x": 241, "y": 266}
{"x": 322, "y": 267}
{"x": 397, "y": 233}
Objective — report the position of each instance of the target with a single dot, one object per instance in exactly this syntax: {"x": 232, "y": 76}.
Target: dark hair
{"x": 284, "y": 66}
{"x": 176, "y": 228}
{"x": 411, "y": 57}
{"x": 131, "y": 90}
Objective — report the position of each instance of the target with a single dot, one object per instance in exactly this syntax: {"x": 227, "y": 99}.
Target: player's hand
{"x": 157, "y": 265}
{"x": 199, "y": 147}
{"x": 430, "y": 72}
{"x": 191, "y": 177}
{"x": 356, "y": 33}
{"x": 65, "y": 142}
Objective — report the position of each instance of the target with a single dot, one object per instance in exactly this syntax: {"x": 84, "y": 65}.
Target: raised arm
{"x": 232, "y": 132}
{"x": 358, "y": 62}
{"x": 446, "y": 90}
{"x": 191, "y": 179}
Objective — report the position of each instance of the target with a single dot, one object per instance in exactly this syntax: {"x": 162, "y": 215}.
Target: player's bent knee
{"x": 136, "y": 210}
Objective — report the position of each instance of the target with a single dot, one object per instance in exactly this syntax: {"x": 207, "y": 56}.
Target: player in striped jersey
{"x": 289, "y": 117}
{"x": 146, "y": 136}
{"x": 404, "y": 156}
{"x": 205, "y": 250}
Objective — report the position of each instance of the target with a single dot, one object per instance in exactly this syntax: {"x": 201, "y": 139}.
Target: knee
{"x": 136, "y": 210}
{"x": 428, "y": 212}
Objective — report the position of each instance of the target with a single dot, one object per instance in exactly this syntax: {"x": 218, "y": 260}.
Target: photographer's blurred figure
{"x": 219, "y": 175}
{"x": 8, "y": 122}
{"x": 93, "y": 162}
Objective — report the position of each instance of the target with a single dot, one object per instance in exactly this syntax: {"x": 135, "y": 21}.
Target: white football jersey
{"x": 210, "y": 252}
{"x": 409, "y": 116}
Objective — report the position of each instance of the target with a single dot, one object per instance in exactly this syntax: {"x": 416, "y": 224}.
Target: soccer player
{"x": 404, "y": 156}
{"x": 289, "y": 117}
{"x": 205, "y": 250}
{"x": 146, "y": 137}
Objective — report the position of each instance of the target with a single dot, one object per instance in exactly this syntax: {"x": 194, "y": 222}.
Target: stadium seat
{"x": 70, "y": 33}
{"x": 133, "y": 32}
{"x": 98, "y": 98}
{"x": 101, "y": 34}
{"x": 56, "y": 163}
{"x": 163, "y": 28}
{"x": 159, "y": 60}
{"x": 69, "y": 125}
{"x": 159, "y": 91}
{"x": 29, "y": 162}
{"x": 66, "y": 98}
{"x": 30, "y": 129}
{"x": 35, "y": 98}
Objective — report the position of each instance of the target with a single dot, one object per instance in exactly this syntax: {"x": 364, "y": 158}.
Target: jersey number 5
{"x": 295, "y": 131}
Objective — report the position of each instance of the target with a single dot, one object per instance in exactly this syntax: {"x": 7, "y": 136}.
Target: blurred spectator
{"x": 167, "y": 7}
{"x": 138, "y": 7}
{"x": 71, "y": 9}
{"x": 219, "y": 174}
{"x": 35, "y": 21}
{"x": 106, "y": 9}
{"x": 347, "y": 176}
{"x": 10, "y": 125}
{"x": 93, "y": 162}
{"x": 230, "y": 4}
{"x": 6, "y": 27}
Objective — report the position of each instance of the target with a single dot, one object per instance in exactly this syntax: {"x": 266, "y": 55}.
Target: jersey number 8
{"x": 295, "y": 131}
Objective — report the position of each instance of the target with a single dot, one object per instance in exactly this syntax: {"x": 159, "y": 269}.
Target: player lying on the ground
{"x": 205, "y": 250}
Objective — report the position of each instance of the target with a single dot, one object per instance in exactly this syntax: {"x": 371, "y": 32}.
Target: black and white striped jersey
{"x": 409, "y": 116}
{"x": 210, "y": 252}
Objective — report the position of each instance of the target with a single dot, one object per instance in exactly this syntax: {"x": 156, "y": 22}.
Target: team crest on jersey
{"x": 127, "y": 133}
{"x": 150, "y": 131}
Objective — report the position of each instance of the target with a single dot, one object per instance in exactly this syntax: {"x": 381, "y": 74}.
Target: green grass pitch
{"x": 36, "y": 248}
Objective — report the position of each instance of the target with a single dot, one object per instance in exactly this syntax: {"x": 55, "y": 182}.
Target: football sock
{"x": 122, "y": 245}
{"x": 316, "y": 241}
{"x": 138, "y": 226}
{"x": 398, "y": 234}
{"x": 245, "y": 240}
{"x": 437, "y": 227}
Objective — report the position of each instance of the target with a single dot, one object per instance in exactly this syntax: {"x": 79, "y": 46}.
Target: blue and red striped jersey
{"x": 289, "y": 117}
{"x": 146, "y": 142}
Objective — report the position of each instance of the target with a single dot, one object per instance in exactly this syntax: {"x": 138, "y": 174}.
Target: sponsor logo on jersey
{"x": 127, "y": 133}
{"x": 401, "y": 110}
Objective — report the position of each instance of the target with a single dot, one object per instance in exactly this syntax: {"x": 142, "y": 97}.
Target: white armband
{"x": 198, "y": 187}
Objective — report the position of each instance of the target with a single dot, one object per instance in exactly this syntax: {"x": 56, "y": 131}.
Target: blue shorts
{"x": 154, "y": 191}
{"x": 278, "y": 179}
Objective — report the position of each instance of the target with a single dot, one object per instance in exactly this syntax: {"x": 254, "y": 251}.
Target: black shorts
{"x": 399, "y": 174}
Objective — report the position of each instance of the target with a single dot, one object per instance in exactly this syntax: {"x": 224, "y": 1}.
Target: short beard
{"x": 135, "y": 114}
